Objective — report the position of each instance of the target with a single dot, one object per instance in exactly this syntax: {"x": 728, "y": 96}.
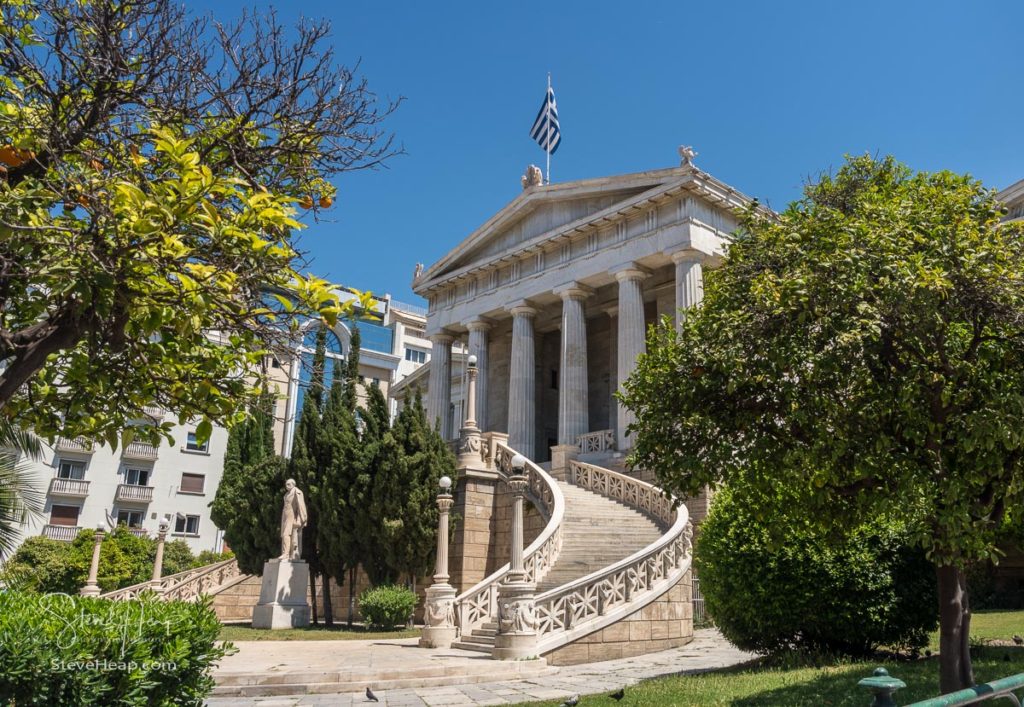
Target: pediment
{"x": 541, "y": 210}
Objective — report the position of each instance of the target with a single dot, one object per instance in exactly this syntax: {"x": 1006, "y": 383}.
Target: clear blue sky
{"x": 768, "y": 93}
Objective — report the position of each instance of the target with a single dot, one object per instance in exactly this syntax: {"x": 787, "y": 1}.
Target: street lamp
{"x": 440, "y": 630}
{"x": 91, "y": 588}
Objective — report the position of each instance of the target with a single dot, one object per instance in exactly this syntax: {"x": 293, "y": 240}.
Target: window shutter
{"x": 193, "y": 483}
{"x": 64, "y": 515}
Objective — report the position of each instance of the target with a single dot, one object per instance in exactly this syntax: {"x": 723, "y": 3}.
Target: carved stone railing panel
{"x": 183, "y": 586}
{"x": 599, "y": 441}
{"x": 479, "y": 603}
{"x": 571, "y": 611}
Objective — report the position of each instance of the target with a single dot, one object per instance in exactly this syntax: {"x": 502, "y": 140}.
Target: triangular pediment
{"x": 541, "y": 210}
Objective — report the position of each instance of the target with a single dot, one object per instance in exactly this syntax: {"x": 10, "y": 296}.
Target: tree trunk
{"x": 351, "y": 595}
{"x": 955, "y": 671}
{"x": 312, "y": 596}
{"x": 328, "y": 602}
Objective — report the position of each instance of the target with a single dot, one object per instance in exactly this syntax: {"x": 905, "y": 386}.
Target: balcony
{"x": 130, "y": 493}
{"x": 138, "y": 532}
{"x": 65, "y": 533}
{"x": 69, "y": 487}
{"x": 78, "y": 444}
{"x": 139, "y": 450}
{"x": 153, "y": 412}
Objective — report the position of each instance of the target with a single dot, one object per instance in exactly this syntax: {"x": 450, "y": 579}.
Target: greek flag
{"x": 545, "y": 128}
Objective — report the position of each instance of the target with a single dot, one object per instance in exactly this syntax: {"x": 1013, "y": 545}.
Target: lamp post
{"x": 158, "y": 564}
{"x": 470, "y": 439}
{"x": 91, "y": 588}
{"x": 440, "y": 629}
{"x": 517, "y": 635}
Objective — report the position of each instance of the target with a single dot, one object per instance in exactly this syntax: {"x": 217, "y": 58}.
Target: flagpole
{"x": 547, "y": 143}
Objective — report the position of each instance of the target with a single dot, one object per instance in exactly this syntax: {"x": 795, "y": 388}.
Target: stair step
{"x": 485, "y": 632}
{"x": 478, "y": 647}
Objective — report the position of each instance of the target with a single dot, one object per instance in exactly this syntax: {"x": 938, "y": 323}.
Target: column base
{"x": 90, "y": 590}
{"x": 439, "y": 616}
{"x": 517, "y": 636}
{"x": 561, "y": 455}
{"x": 283, "y": 601}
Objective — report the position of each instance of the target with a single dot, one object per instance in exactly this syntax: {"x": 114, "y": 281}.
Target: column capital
{"x": 478, "y": 324}
{"x": 687, "y": 255}
{"x": 573, "y": 290}
{"x": 521, "y": 308}
{"x": 441, "y": 337}
{"x": 630, "y": 271}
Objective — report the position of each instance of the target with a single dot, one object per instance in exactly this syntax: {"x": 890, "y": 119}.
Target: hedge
{"x": 58, "y": 649}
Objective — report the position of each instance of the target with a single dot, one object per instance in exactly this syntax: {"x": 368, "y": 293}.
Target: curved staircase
{"x": 613, "y": 548}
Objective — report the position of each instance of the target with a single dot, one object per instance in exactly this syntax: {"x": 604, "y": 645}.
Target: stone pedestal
{"x": 561, "y": 454}
{"x": 517, "y": 635}
{"x": 283, "y": 601}
{"x": 440, "y": 630}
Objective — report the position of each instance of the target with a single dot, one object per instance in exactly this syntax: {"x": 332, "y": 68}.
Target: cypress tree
{"x": 247, "y": 504}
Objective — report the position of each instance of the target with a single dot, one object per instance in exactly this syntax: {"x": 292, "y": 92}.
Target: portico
{"x": 554, "y": 295}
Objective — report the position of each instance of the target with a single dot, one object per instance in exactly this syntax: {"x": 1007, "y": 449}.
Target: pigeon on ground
{"x": 618, "y": 695}
{"x": 1018, "y": 640}
{"x": 572, "y": 701}
{"x": 370, "y": 696}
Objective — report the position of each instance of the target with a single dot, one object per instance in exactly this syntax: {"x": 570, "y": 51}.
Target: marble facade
{"x": 555, "y": 292}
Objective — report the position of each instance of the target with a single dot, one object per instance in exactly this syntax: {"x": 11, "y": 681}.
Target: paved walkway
{"x": 708, "y": 651}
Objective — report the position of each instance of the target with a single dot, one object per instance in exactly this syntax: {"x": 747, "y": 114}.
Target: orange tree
{"x": 866, "y": 350}
{"x": 152, "y": 170}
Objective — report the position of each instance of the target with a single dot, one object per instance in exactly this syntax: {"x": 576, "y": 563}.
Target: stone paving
{"x": 708, "y": 651}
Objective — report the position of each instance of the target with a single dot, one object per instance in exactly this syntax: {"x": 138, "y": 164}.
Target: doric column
{"x": 613, "y": 368}
{"x": 573, "y": 417}
{"x": 522, "y": 385}
{"x": 689, "y": 281}
{"x": 478, "y": 329}
{"x": 630, "y": 340}
{"x": 440, "y": 385}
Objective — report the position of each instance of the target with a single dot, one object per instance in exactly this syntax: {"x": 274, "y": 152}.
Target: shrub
{"x": 814, "y": 590}
{"x": 209, "y": 557}
{"x": 387, "y": 606}
{"x": 68, "y": 650}
{"x": 41, "y": 565}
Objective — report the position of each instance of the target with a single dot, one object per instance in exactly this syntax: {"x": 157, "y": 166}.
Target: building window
{"x": 64, "y": 515}
{"x": 187, "y": 525}
{"x": 192, "y": 483}
{"x": 415, "y": 355}
{"x": 133, "y": 519}
{"x": 71, "y": 470}
{"x": 192, "y": 445}
{"x": 137, "y": 477}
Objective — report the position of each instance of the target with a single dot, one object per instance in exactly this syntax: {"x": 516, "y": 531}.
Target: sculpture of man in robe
{"x": 293, "y": 520}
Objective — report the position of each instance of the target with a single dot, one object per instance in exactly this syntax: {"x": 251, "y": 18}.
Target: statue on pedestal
{"x": 293, "y": 520}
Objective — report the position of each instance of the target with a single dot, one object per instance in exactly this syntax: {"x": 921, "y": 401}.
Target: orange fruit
{"x": 9, "y": 156}
{"x": 325, "y": 202}
{"x": 307, "y": 202}
{"x": 96, "y": 164}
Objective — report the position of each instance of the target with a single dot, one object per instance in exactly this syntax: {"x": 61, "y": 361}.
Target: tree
{"x": 247, "y": 506}
{"x": 20, "y": 495}
{"x": 150, "y": 171}
{"x": 425, "y": 458}
{"x": 867, "y": 348}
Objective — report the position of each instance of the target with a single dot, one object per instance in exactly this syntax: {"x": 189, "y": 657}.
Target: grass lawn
{"x": 244, "y": 632}
{"x": 831, "y": 685}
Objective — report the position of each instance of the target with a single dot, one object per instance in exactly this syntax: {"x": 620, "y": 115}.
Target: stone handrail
{"x": 480, "y": 602}
{"x": 571, "y": 611}
{"x": 183, "y": 586}
{"x": 599, "y": 441}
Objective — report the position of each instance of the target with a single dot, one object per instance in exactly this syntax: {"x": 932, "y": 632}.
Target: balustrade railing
{"x": 479, "y": 603}
{"x": 74, "y": 444}
{"x": 68, "y": 487}
{"x": 599, "y": 441}
{"x": 139, "y": 450}
{"x": 183, "y": 586}
{"x": 134, "y": 493}
{"x": 575, "y": 609}
{"x": 64, "y": 533}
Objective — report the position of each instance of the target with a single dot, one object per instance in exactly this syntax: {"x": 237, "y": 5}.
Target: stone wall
{"x": 665, "y": 623}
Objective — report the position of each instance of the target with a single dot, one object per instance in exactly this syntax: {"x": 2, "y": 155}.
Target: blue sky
{"x": 768, "y": 93}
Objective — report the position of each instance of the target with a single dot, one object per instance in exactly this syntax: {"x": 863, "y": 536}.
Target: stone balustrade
{"x": 139, "y": 450}
{"x": 64, "y": 533}
{"x": 189, "y": 585}
{"x": 133, "y": 493}
{"x": 479, "y": 603}
{"x": 68, "y": 487}
{"x": 571, "y": 611}
{"x": 597, "y": 441}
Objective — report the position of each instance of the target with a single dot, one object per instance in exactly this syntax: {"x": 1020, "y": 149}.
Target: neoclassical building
{"x": 554, "y": 294}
